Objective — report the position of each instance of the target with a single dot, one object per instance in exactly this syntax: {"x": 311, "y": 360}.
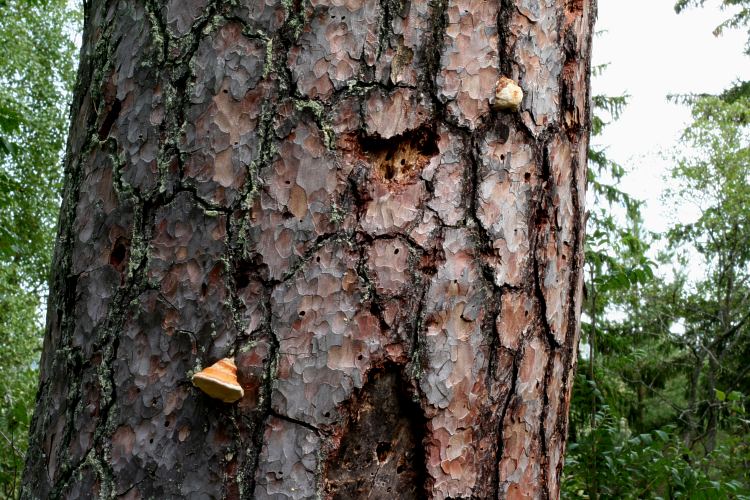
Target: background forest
{"x": 662, "y": 395}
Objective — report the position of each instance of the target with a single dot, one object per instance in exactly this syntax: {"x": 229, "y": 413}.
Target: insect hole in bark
{"x": 398, "y": 160}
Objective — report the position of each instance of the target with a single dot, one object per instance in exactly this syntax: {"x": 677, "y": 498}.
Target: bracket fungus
{"x": 508, "y": 95}
{"x": 220, "y": 381}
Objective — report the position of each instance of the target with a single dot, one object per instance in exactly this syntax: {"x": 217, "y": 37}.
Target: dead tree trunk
{"x": 322, "y": 192}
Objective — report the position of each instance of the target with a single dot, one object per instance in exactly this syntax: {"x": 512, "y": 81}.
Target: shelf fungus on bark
{"x": 508, "y": 95}
{"x": 220, "y": 381}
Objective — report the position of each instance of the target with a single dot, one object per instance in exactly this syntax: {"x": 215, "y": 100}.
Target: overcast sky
{"x": 654, "y": 52}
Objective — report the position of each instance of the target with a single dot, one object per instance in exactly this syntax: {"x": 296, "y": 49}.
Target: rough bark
{"x": 321, "y": 191}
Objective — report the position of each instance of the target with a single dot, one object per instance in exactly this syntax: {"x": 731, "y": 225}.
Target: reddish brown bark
{"x": 321, "y": 191}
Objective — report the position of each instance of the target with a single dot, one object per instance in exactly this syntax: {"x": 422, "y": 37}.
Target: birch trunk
{"x": 321, "y": 191}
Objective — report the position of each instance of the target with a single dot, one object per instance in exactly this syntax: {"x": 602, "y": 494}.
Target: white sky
{"x": 654, "y": 52}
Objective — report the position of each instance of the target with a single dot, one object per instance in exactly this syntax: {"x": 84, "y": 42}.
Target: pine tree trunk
{"x": 322, "y": 192}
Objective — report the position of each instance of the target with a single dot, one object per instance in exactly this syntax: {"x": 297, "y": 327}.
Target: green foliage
{"x": 740, "y": 18}
{"x": 615, "y": 248}
{"x": 608, "y": 239}
{"x": 658, "y": 408}
{"x": 19, "y": 349}
{"x": 610, "y": 461}
{"x": 36, "y": 74}
{"x": 713, "y": 176}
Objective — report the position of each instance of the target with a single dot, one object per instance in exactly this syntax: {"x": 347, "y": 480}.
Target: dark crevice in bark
{"x": 416, "y": 346}
{"x": 135, "y": 284}
{"x": 118, "y": 256}
{"x": 580, "y": 132}
{"x": 287, "y": 86}
{"x": 248, "y": 30}
{"x": 494, "y": 347}
{"x": 233, "y": 272}
{"x": 356, "y": 188}
{"x": 174, "y": 104}
{"x": 366, "y": 71}
{"x": 483, "y": 239}
{"x": 264, "y": 397}
{"x": 301, "y": 423}
{"x": 433, "y": 46}
{"x": 549, "y": 337}
{"x": 404, "y": 238}
{"x": 109, "y": 119}
{"x": 241, "y": 272}
{"x": 382, "y": 444}
{"x": 125, "y": 192}
{"x": 483, "y": 248}
{"x": 504, "y": 36}
{"x": 74, "y": 365}
{"x": 545, "y": 455}
{"x": 177, "y": 74}
{"x": 384, "y": 26}
{"x": 371, "y": 293}
{"x": 242, "y": 269}
{"x": 317, "y": 111}
{"x": 253, "y": 451}
{"x": 501, "y": 426}
{"x": 265, "y": 153}
{"x": 544, "y": 220}
{"x": 157, "y": 23}
{"x": 360, "y": 88}
{"x": 195, "y": 197}
{"x": 431, "y": 53}
{"x": 231, "y": 481}
{"x": 376, "y": 301}
{"x": 286, "y": 37}
{"x": 422, "y": 140}
{"x": 180, "y": 50}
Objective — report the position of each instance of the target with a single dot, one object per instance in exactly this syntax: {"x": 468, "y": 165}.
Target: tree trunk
{"x": 322, "y": 192}
{"x": 712, "y": 417}
{"x": 691, "y": 408}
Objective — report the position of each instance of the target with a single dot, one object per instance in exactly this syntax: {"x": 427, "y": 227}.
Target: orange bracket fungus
{"x": 508, "y": 95}
{"x": 220, "y": 381}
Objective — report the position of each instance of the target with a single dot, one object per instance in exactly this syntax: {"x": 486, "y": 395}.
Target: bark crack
{"x": 296, "y": 421}
{"x": 497, "y": 479}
